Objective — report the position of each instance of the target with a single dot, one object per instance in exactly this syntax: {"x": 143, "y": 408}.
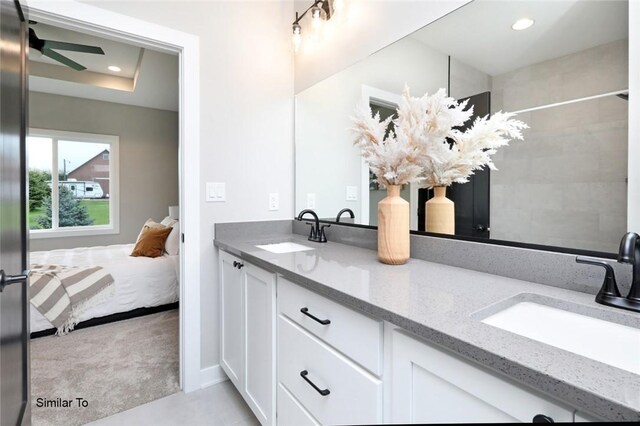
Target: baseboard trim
{"x": 212, "y": 375}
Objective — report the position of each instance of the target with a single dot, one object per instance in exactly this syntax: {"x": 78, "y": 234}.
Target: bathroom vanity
{"x": 496, "y": 323}
{"x": 328, "y": 335}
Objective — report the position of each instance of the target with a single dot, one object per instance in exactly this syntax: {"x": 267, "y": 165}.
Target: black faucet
{"x": 343, "y": 211}
{"x": 317, "y": 232}
{"x": 630, "y": 253}
{"x": 609, "y": 294}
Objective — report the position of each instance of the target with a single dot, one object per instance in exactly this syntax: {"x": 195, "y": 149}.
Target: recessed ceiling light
{"x": 522, "y": 24}
{"x": 114, "y": 68}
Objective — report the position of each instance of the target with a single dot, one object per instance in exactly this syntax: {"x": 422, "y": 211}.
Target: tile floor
{"x": 219, "y": 404}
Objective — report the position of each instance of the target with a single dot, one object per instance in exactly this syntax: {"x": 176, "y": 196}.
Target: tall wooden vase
{"x": 441, "y": 215}
{"x": 393, "y": 228}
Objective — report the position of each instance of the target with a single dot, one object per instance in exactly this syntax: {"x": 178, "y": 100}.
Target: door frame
{"x": 101, "y": 22}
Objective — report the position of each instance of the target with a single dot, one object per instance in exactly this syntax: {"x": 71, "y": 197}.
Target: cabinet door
{"x": 290, "y": 410}
{"x": 259, "y": 342}
{"x": 231, "y": 318}
{"x": 431, "y": 385}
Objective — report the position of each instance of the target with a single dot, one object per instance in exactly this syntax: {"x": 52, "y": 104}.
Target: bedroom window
{"x": 73, "y": 184}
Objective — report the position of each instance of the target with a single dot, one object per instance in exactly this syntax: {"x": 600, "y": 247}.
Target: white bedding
{"x": 140, "y": 282}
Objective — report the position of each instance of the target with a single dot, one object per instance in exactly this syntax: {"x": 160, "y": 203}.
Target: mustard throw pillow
{"x": 151, "y": 224}
{"x": 151, "y": 242}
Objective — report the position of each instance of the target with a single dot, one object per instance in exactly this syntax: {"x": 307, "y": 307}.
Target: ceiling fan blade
{"x": 62, "y": 59}
{"x": 61, "y": 45}
{"x": 34, "y": 41}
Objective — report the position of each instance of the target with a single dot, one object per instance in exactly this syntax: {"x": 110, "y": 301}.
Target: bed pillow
{"x": 151, "y": 242}
{"x": 172, "y": 245}
{"x": 168, "y": 221}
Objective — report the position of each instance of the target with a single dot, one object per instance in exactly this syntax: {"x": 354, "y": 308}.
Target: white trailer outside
{"x": 83, "y": 189}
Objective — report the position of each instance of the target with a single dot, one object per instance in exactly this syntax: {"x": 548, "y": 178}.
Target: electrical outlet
{"x": 274, "y": 201}
{"x": 311, "y": 201}
{"x": 216, "y": 192}
{"x": 352, "y": 193}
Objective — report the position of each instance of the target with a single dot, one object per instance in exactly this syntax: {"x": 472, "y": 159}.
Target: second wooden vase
{"x": 441, "y": 215}
{"x": 393, "y": 228}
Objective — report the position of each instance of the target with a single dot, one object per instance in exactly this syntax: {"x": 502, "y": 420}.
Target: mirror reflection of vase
{"x": 440, "y": 213}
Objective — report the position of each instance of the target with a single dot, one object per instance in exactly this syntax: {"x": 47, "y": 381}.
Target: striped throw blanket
{"x": 61, "y": 293}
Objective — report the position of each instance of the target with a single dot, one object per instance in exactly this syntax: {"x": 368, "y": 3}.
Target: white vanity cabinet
{"x": 248, "y": 338}
{"x": 427, "y": 384}
{"x": 336, "y": 365}
{"x": 329, "y": 361}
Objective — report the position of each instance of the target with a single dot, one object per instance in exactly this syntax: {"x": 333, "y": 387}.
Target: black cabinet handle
{"x": 237, "y": 264}
{"x": 323, "y": 392}
{"x": 305, "y": 311}
{"x": 541, "y": 418}
{"x": 240, "y": 265}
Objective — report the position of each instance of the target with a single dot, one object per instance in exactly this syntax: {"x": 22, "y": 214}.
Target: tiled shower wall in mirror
{"x": 568, "y": 179}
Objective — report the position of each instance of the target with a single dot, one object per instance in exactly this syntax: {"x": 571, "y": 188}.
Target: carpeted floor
{"x": 113, "y": 367}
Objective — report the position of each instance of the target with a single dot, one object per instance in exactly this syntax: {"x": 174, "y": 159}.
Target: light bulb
{"x": 297, "y": 37}
{"x": 316, "y": 17}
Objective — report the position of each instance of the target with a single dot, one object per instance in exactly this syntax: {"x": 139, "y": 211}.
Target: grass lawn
{"x": 32, "y": 218}
{"x": 98, "y": 211}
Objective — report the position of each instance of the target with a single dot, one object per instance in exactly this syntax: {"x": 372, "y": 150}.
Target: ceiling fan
{"x": 46, "y": 47}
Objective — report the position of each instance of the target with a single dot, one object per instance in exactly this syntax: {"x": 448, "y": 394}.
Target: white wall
{"x": 368, "y": 26}
{"x": 246, "y": 117}
{"x": 148, "y": 158}
{"x": 326, "y": 160}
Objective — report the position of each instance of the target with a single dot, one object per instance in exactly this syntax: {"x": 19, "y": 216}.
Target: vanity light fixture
{"x": 114, "y": 68}
{"x": 319, "y": 11}
{"x": 522, "y": 24}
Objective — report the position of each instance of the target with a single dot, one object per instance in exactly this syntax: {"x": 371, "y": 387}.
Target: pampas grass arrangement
{"x": 425, "y": 146}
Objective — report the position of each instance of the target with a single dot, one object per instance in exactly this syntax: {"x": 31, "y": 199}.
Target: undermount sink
{"x": 286, "y": 247}
{"x": 608, "y": 342}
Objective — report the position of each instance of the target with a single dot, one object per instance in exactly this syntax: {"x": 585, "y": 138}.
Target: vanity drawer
{"x": 353, "y": 396}
{"x": 356, "y": 335}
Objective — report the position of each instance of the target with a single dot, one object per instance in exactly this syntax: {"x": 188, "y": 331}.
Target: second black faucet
{"x": 317, "y": 232}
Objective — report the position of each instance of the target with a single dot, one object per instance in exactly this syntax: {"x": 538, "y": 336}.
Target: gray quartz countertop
{"x": 445, "y": 305}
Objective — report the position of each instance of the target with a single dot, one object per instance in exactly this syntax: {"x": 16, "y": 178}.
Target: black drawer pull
{"x": 323, "y": 392}
{"x": 305, "y": 311}
{"x": 237, "y": 264}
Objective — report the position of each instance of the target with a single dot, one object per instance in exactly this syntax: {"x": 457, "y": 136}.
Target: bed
{"x": 140, "y": 282}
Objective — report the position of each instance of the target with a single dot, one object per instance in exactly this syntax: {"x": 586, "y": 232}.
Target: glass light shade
{"x": 297, "y": 37}
{"x": 316, "y": 17}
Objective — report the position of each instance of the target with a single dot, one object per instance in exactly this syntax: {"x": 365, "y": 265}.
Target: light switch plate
{"x": 274, "y": 201}
{"x": 352, "y": 193}
{"x": 311, "y": 201}
{"x": 216, "y": 192}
